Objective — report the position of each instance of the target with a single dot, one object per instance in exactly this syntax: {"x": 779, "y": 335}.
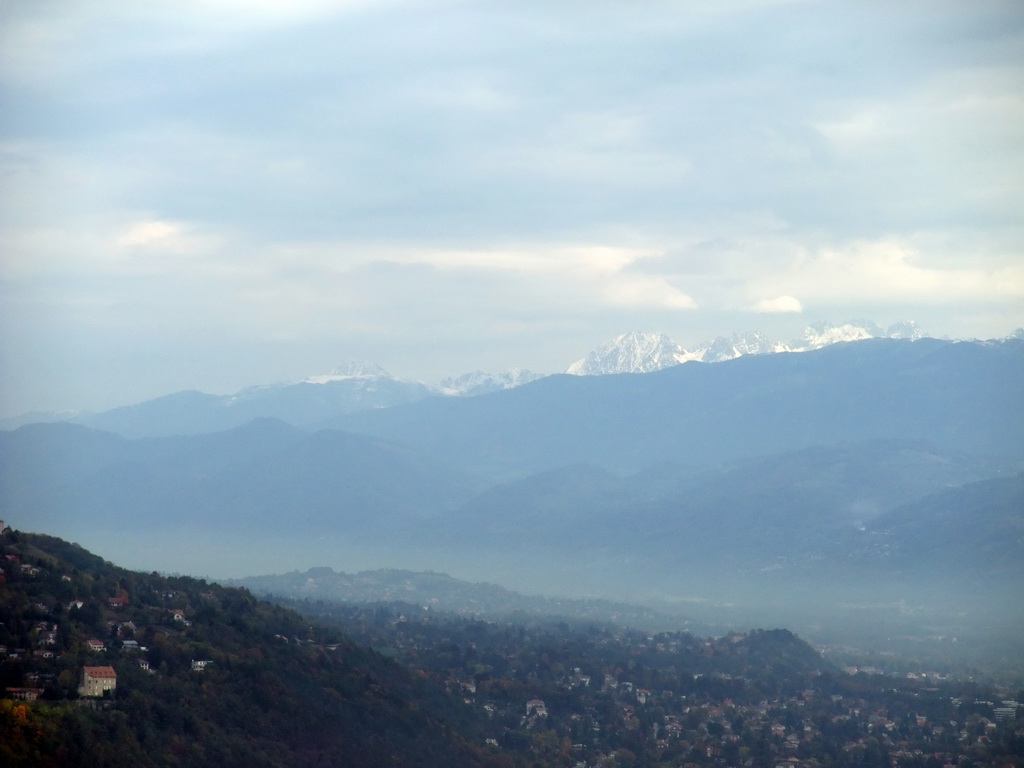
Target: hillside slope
{"x": 205, "y": 675}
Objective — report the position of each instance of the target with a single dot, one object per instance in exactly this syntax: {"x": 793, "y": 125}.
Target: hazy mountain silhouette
{"x": 957, "y": 395}
{"x": 767, "y": 472}
{"x": 260, "y": 476}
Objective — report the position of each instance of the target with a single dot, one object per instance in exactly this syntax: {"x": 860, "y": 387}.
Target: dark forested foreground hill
{"x": 204, "y": 676}
{"x": 199, "y": 674}
{"x": 594, "y": 696}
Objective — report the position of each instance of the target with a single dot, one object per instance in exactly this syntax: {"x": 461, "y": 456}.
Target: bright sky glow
{"x": 216, "y": 193}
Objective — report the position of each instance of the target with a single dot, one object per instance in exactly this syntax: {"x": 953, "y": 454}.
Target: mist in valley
{"x": 707, "y": 309}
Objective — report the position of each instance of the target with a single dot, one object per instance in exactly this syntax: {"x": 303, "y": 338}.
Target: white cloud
{"x": 594, "y": 276}
{"x": 957, "y": 105}
{"x": 779, "y": 305}
{"x": 647, "y": 292}
{"x": 388, "y": 170}
{"x": 146, "y": 233}
{"x": 891, "y": 271}
{"x": 948, "y": 152}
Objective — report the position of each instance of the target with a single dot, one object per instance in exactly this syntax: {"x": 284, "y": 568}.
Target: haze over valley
{"x": 512, "y": 384}
{"x": 878, "y": 477}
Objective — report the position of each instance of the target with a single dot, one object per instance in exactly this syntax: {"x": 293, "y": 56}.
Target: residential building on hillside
{"x": 97, "y": 680}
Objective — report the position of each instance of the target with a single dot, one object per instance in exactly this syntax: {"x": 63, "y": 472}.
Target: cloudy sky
{"x": 213, "y": 193}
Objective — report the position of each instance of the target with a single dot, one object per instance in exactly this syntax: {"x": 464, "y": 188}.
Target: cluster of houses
{"x": 25, "y": 569}
{"x": 719, "y": 728}
{"x": 94, "y": 681}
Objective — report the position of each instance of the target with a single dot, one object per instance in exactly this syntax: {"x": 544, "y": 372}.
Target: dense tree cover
{"x": 615, "y": 697}
{"x": 212, "y": 675}
{"x": 275, "y": 691}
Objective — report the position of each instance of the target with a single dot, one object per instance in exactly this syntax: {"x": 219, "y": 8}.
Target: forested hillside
{"x": 205, "y": 675}
{"x": 197, "y": 674}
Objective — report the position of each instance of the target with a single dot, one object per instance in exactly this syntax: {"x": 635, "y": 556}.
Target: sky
{"x": 209, "y": 194}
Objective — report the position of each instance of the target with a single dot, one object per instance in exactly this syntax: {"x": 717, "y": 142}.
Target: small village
{"x": 612, "y": 697}
{"x": 58, "y": 648}
{"x": 579, "y": 695}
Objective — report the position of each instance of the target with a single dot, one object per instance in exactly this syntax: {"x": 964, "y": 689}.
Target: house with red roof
{"x": 97, "y": 680}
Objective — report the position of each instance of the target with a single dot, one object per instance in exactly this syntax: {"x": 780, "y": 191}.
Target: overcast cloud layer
{"x": 213, "y": 193}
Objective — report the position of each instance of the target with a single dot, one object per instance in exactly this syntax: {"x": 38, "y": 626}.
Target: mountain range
{"x": 952, "y": 394}
{"x": 856, "y": 472}
{"x": 360, "y": 386}
{"x": 435, "y": 591}
{"x": 645, "y": 352}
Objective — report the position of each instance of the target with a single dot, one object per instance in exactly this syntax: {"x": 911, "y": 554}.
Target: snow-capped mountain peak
{"x": 644, "y": 352}
{"x": 905, "y": 329}
{"x": 353, "y": 369}
{"x": 737, "y": 345}
{"x": 632, "y": 352}
{"x": 480, "y": 383}
{"x": 822, "y": 334}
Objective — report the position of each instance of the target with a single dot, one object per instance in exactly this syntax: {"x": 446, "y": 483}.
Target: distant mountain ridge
{"x": 298, "y": 403}
{"x": 952, "y": 394}
{"x": 480, "y": 383}
{"x": 353, "y": 369}
{"x": 66, "y": 475}
{"x": 636, "y": 352}
{"x": 358, "y": 386}
{"x": 770, "y": 470}
{"x": 439, "y": 591}
{"x": 631, "y": 352}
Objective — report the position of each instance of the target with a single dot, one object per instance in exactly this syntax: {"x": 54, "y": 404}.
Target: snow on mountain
{"x": 369, "y": 378}
{"x": 353, "y": 369}
{"x": 474, "y": 383}
{"x": 905, "y": 329}
{"x": 480, "y": 383}
{"x": 359, "y": 385}
{"x": 822, "y": 334}
{"x": 737, "y": 345}
{"x": 356, "y": 374}
{"x": 644, "y": 352}
{"x": 632, "y": 352}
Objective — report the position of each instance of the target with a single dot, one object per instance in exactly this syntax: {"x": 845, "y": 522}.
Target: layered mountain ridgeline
{"x": 359, "y": 386}
{"x": 760, "y": 481}
{"x": 955, "y": 395}
{"x": 261, "y": 477}
{"x": 441, "y": 592}
{"x": 854, "y": 515}
{"x": 782, "y": 504}
{"x": 347, "y": 388}
{"x": 201, "y": 675}
{"x": 718, "y": 566}
{"x": 645, "y": 352}
{"x": 299, "y": 403}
